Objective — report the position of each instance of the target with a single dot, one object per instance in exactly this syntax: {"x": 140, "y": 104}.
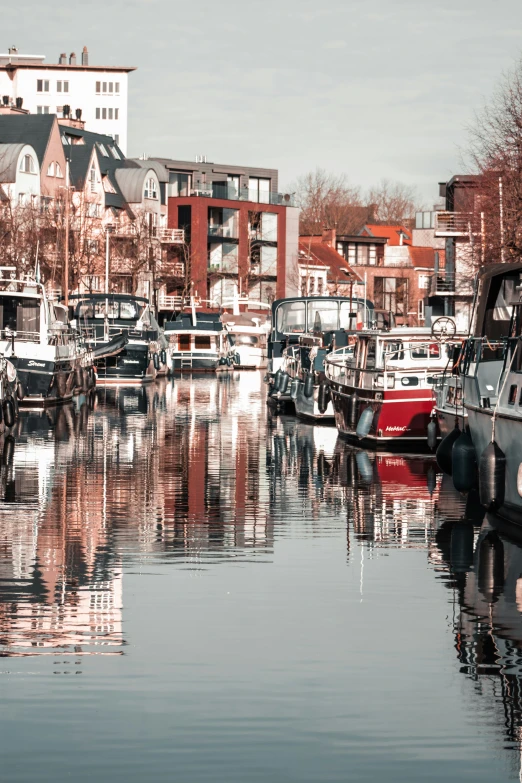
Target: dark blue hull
{"x": 129, "y": 366}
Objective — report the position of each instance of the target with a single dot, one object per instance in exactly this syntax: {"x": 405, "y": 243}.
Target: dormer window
{"x": 103, "y": 150}
{"x": 27, "y": 165}
{"x": 151, "y": 188}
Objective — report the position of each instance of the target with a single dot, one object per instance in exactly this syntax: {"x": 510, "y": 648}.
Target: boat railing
{"x": 20, "y": 336}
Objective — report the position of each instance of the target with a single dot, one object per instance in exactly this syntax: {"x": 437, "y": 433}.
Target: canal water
{"x": 193, "y": 590}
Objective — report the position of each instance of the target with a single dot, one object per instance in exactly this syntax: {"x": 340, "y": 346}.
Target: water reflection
{"x": 194, "y": 475}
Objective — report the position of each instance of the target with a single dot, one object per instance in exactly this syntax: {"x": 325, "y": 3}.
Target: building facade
{"x": 99, "y": 92}
{"x": 241, "y": 233}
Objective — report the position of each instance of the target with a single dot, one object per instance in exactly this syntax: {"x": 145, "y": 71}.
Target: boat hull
{"x": 45, "y": 383}
{"x": 400, "y": 417}
{"x": 190, "y": 363}
{"x": 132, "y": 365}
{"x": 308, "y": 408}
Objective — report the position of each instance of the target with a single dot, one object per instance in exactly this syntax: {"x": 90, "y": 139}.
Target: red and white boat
{"x": 383, "y": 397}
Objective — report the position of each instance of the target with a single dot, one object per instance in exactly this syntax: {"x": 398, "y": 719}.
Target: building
{"x": 98, "y": 93}
{"x": 19, "y": 174}
{"x": 322, "y": 270}
{"x": 459, "y": 226}
{"x": 241, "y": 233}
{"x": 395, "y": 273}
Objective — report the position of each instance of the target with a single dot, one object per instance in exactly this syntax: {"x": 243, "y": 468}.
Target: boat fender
{"x": 308, "y": 390}
{"x": 9, "y": 412}
{"x": 229, "y": 361}
{"x": 156, "y": 361}
{"x": 432, "y": 434}
{"x": 365, "y": 423}
{"x": 277, "y": 380}
{"x": 222, "y": 361}
{"x": 283, "y": 383}
{"x": 463, "y": 463}
{"x": 323, "y": 397}
{"x": 237, "y": 358}
{"x": 492, "y": 476}
{"x": 8, "y": 452}
{"x": 445, "y": 449}
{"x": 163, "y": 356}
{"x": 20, "y": 391}
{"x": 294, "y": 388}
{"x": 364, "y": 466}
{"x": 352, "y": 410}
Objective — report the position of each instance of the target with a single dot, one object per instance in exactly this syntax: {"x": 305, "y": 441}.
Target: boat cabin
{"x": 93, "y": 313}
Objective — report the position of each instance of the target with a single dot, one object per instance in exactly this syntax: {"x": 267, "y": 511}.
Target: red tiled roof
{"x": 391, "y": 233}
{"x": 318, "y": 252}
{"x": 425, "y": 257}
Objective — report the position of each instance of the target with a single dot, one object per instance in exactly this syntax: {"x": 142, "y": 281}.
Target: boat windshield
{"x": 20, "y": 314}
{"x": 291, "y": 317}
{"x": 323, "y": 316}
{"x": 121, "y": 310}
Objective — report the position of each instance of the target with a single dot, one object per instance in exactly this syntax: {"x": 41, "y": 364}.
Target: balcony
{"x": 167, "y": 236}
{"x": 170, "y": 236}
{"x": 453, "y": 224}
{"x": 170, "y": 302}
{"x": 230, "y": 193}
{"x": 216, "y": 230}
{"x": 442, "y": 285}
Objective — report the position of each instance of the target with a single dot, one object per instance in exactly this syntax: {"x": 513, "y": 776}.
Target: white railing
{"x": 170, "y": 302}
{"x": 453, "y": 223}
{"x": 174, "y": 236}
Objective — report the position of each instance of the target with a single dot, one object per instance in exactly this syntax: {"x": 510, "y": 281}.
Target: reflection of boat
{"x": 384, "y": 397}
{"x": 103, "y": 319}
{"x": 35, "y": 335}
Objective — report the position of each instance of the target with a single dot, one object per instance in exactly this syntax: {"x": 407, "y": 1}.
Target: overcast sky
{"x": 374, "y": 89}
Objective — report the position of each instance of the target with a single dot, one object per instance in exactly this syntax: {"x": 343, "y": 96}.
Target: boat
{"x": 122, "y": 333}
{"x": 195, "y": 341}
{"x": 448, "y": 409}
{"x": 51, "y": 359}
{"x": 245, "y": 340}
{"x": 492, "y": 388}
{"x": 383, "y": 397}
{"x": 301, "y": 325}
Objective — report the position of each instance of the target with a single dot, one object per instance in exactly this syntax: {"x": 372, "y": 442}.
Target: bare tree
{"x": 327, "y": 200}
{"x": 394, "y": 202}
{"x": 496, "y": 155}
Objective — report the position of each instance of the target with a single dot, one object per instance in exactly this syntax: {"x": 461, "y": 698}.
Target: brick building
{"x": 241, "y": 234}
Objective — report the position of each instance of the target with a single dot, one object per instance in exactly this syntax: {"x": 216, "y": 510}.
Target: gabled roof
{"x": 391, "y": 233}
{"x": 314, "y": 251}
{"x": 33, "y": 129}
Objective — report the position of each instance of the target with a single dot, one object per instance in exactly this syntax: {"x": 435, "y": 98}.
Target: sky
{"x": 381, "y": 89}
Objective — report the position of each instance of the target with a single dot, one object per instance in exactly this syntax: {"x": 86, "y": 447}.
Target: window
{"x": 111, "y": 85}
{"x": 151, "y": 188}
{"x": 115, "y": 153}
{"x": 110, "y": 114}
{"x": 117, "y": 88}
{"x": 116, "y": 114}
{"x": 259, "y": 190}
{"x": 223, "y": 222}
{"x": 391, "y": 293}
{"x": 104, "y": 86}
{"x": 50, "y": 170}
{"x": 98, "y": 113}
{"x": 117, "y": 137}
{"x": 183, "y": 342}
{"x": 202, "y": 341}
{"x": 98, "y": 88}
{"x": 104, "y": 113}
{"x": 322, "y": 316}
{"x": 27, "y": 165}
{"x": 424, "y": 281}
{"x": 42, "y": 85}
{"x": 92, "y": 179}
{"x": 93, "y": 209}
{"x": 42, "y": 110}
{"x": 102, "y": 149}
{"x": 291, "y": 317}
{"x": 58, "y": 170}
{"x": 179, "y": 184}
{"x": 512, "y": 394}
{"x": 21, "y": 199}
{"x": 420, "y": 311}
{"x": 62, "y": 86}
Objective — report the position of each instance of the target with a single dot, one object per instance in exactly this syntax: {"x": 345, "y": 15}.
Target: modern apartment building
{"x": 241, "y": 233}
{"x": 98, "y": 92}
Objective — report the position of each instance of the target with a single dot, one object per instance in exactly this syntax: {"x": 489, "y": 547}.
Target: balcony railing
{"x": 170, "y": 236}
{"x": 441, "y": 284}
{"x": 217, "y": 230}
{"x": 230, "y": 193}
{"x": 170, "y": 302}
{"x": 453, "y": 223}
{"x": 173, "y": 236}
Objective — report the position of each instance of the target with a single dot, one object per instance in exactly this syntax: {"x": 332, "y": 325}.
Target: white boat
{"x": 245, "y": 342}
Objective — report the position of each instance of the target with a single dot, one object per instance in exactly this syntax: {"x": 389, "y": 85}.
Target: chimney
{"x": 85, "y": 56}
{"x": 72, "y": 59}
{"x": 5, "y": 100}
{"x": 66, "y": 110}
{"x": 329, "y": 237}
{"x": 62, "y": 60}
{"x": 19, "y": 103}
{"x": 401, "y": 238}
{"x": 78, "y": 114}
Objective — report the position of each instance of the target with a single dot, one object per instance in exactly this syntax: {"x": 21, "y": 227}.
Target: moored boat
{"x": 195, "y": 341}
{"x": 245, "y": 340}
{"x": 383, "y": 398}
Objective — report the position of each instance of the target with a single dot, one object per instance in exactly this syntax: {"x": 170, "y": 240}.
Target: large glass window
{"x": 259, "y": 190}
{"x": 291, "y": 317}
{"x": 269, "y": 226}
{"x": 223, "y": 257}
{"x": 391, "y": 293}
{"x": 223, "y": 222}
{"x": 268, "y": 260}
{"x": 179, "y": 184}
{"x": 323, "y": 316}
{"x": 348, "y": 317}
{"x": 20, "y": 314}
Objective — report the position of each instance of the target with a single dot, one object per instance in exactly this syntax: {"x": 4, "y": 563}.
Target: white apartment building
{"x": 100, "y": 92}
